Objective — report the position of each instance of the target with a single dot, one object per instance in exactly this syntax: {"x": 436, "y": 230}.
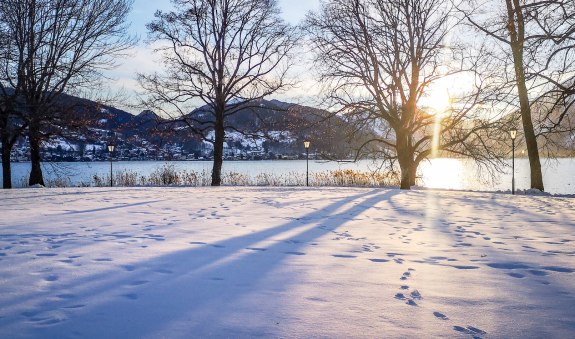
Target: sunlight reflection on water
{"x": 443, "y": 173}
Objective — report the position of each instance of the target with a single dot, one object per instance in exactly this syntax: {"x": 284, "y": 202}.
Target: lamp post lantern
{"x": 111, "y": 150}
{"x": 513, "y": 133}
{"x": 306, "y": 146}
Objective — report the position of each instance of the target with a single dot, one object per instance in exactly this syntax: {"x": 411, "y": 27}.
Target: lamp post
{"x": 111, "y": 150}
{"x": 513, "y": 133}
{"x": 306, "y": 146}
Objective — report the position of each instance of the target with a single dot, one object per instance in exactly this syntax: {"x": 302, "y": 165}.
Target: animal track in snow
{"x": 406, "y": 275}
{"x": 413, "y": 295}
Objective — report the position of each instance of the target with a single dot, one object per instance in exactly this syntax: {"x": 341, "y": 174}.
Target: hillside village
{"x": 148, "y": 137}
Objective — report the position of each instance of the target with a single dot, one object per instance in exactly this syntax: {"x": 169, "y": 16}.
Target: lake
{"x": 559, "y": 175}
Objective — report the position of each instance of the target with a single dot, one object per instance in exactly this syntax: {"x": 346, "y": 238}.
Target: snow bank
{"x": 284, "y": 262}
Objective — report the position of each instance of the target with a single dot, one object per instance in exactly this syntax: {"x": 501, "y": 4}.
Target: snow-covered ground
{"x": 284, "y": 262}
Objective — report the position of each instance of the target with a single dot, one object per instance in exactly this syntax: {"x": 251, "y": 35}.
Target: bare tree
{"x": 225, "y": 54}
{"x": 379, "y": 59}
{"x": 11, "y": 125}
{"x": 536, "y": 41}
{"x": 59, "y": 46}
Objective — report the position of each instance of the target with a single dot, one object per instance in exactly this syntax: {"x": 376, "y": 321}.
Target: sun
{"x": 437, "y": 100}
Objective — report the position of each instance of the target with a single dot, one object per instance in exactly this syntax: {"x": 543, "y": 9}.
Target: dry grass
{"x": 167, "y": 175}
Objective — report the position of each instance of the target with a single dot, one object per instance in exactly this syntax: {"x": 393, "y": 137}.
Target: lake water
{"x": 559, "y": 175}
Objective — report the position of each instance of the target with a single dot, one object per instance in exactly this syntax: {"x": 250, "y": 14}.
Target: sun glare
{"x": 443, "y": 173}
{"x": 437, "y": 100}
{"x": 439, "y": 103}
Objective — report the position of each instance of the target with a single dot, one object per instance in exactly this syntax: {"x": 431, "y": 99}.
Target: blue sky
{"x": 143, "y": 11}
{"x": 144, "y": 61}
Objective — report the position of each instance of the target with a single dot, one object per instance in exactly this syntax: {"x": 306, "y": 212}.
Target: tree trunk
{"x": 530, "y": 138}
{"x": 413, "y": 174}
{"x": 406, "y": 163}
{"x": 218, "y": 151}
{"x": 6, "y": 166}
{"x": 516, "y": 29}
{"x": 407, "y": 168}
{"x": 36, "y": 177}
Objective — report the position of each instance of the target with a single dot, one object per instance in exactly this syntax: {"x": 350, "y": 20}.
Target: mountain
{"x": 259, "y": 129}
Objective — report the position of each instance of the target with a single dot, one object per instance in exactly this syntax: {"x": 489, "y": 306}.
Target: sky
{"x": 142, "y": 60}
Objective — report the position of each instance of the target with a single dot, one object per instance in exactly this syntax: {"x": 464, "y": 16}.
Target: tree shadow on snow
{"x": 209, "y": 287}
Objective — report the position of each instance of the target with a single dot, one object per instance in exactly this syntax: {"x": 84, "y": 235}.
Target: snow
{"x": 251, "y": 141}
{"x": 285, "y": 262}
{"x": 66, "y": 146}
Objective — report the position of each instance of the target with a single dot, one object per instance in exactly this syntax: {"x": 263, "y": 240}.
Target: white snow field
{"x": 285, "y": 262}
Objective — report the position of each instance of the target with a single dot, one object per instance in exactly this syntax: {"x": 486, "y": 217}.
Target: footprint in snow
{"x": 516, "y": 275}
{"x": 378, "y": 260}
{"x": 469, "y": 330}
{"x": 558, "y": 269}
{"x": 400, "y": 296}
{"x": 103, "y": 260}
{"x": 131, "y": 296}
{"x": 465, "y": 267}
{"x": 538, "y": 273}
{"x": 259, "y": 249}
{"x": 343, "y": 256}
{"x": 51, "y": 278}
{"x": 416, "y": 295}
{"x": 508, "y": 265}
{"x": 129, "y": 268}
{"x": 294, "y": 253}
{"x": 440, "y": 315}
{"x": 66, "y": 296}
